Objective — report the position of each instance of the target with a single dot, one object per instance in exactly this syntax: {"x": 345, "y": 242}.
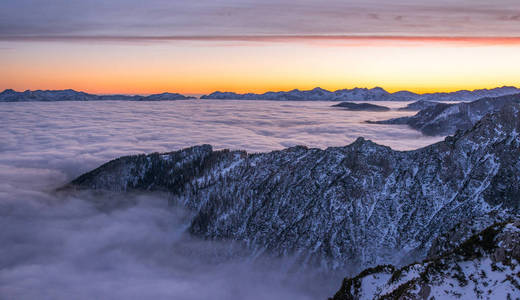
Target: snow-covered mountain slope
{"x": 486, "y": 266}
{"x": 360, "y": 205}
{"x": 363, "y": 94}
{"x": 72, "y": 95}
{"x": 445, "y": 119}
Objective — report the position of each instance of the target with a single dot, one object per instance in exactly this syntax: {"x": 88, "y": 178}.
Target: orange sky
{"x": 196, "y": 47}
{"x": 240, "y": 64}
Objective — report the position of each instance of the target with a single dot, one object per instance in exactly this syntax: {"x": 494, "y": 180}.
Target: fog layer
{"x": 108, "y": 246}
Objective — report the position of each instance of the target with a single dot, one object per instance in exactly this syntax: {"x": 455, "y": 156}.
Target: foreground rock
{"x": 445, "y": 119}
{"x": 361, "y": 106}
{"x": 360, "y": 205}
{"x": 72, "y": 95}
{"x": 362, "y": 94}
{"x": 486, "y": 266}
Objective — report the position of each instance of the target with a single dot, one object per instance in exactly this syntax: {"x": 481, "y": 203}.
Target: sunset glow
{"x": 245, "y": 45}
{"x": 197, "y": 67}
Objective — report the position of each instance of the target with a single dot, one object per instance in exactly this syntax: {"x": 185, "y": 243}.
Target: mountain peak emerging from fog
{"x": 365, "y": 94}
{"x": 359, "y": 205}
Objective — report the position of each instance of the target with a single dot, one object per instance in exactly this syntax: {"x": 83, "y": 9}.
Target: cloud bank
{"x": 133, "y": 246}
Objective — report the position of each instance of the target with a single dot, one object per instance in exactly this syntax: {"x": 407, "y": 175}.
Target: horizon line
{"x": 479, "y": 40}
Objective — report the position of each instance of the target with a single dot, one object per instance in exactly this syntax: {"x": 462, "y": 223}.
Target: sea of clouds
{"x": 133, "y": 246}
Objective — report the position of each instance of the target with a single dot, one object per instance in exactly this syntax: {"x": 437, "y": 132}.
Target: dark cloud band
{"x": 205, "y": 19}
{"x": 477, "y": 40}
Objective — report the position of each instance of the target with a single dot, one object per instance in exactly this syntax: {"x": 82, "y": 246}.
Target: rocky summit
{"x": 359, "y": 205}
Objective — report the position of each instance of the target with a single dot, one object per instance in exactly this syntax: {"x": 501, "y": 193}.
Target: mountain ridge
{"x": 10, "y": 95}
{"x": 316, "y": 94}
{"x": 365, "y": 94}
{"x": 359, "y": 205}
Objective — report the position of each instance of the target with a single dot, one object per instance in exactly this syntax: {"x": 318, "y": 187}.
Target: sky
{"x": 196, "y": 47}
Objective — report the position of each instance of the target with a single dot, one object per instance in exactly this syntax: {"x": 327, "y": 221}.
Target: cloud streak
{"x": 360, "y": 40}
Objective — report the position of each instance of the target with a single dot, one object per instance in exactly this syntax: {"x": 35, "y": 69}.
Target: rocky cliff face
{"x": 445, "y": 119}
{"x": 485, "y": 266}
{"x": 360, "y": 205}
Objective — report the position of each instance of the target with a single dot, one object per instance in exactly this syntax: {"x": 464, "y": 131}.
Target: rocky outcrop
{"x": 361, "y": 106}
{"x": 485, "y": 266}
{"x": 445, "y": 119}
{"x": 360, "y": 205}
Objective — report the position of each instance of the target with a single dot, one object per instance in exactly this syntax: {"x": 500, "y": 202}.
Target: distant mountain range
{"x": 72, "y": 95}
{"x": 317, "y": 94}
{"x": 363, "y": 94}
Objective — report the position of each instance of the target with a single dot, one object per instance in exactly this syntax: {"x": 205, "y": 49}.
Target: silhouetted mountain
{"x": 361, "y": 106}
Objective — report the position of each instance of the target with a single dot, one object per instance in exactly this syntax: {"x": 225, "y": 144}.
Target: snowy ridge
{"x": 360, "y": 205}
{"x": 445, "y": 119}
{"x": 363, "y": 94}
{"x": 485, "y": 266}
